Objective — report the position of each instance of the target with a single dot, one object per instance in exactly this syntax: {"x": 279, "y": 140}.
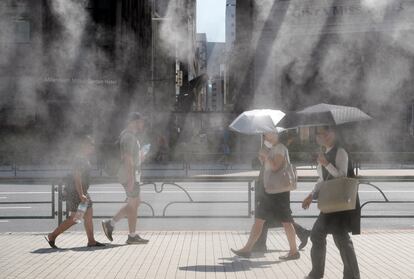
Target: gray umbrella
{"x": 325, "y": 114}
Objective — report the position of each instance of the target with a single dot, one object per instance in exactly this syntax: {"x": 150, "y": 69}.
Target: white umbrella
{"x": 257, "y": 121}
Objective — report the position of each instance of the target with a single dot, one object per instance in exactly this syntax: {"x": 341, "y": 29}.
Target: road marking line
{"x": 16, "y": 207}
{"x": 22, "y": 193}
{"x": 4, "y": 221}
{"x": 195, "y": 191}
{"x": 3, "y": 197}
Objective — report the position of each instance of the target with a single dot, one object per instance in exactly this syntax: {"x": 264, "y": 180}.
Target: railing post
{"x": 186, "y": 164}
{"x": 53, "y": 200}
{"x": 249, "y": 199}
{"x": 60, "y": 213}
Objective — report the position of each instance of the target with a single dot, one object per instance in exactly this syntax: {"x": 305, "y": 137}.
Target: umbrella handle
{"x": 261, "y": 142}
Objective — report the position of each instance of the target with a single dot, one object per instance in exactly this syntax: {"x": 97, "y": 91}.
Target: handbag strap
{"x": 287, "y": 159}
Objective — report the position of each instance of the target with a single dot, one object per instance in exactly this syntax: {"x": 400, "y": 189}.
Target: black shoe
{"x": 290, "y": 257}
{"x": 136, "y": 240}
{"x": 304, "y": 240}
{"x": 241, "y": 254}
{"x": 51, "y": 243}
{"x": 108, "y": 229}
{"x": 97, "y": 244}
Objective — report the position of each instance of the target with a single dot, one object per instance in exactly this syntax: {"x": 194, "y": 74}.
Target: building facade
{"x": 217, "y": 56}
{"x": 202, "y": 66}
{"x": 75, "y": 67}
{"x": 230, "y": 24}
{"x": 343, "y": 52}
{"x": 216, "y": 96}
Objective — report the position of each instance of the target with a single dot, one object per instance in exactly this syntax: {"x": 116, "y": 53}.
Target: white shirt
{"x": 341, "y": 169}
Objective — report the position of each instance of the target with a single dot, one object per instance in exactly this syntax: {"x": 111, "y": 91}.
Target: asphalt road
{"x": 230, "y": 199}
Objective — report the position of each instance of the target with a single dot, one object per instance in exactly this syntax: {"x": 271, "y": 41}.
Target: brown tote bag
{"x": 280, "y": 181}
{"x": 338, "y": 194}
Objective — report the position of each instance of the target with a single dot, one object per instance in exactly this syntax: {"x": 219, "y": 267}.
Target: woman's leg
{"x": 62, "y": 227}
{"x": 291, "y": 237}
{"x": 254, "y": 235}
{"x": 260, "y": 245}
{"x": 88, "y": 223}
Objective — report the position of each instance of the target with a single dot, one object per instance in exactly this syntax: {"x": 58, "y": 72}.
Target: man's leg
{"x": 318, "y": 250}
{"x": 132, "y": 213}
{"x": 346, "y": 249}
{"x": 108, "y": 226}
{"x": 132, "y": 205}
{"x": 125, "y": 211}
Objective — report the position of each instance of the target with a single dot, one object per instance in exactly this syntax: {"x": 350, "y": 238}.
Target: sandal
{"x": 51, "y": 243}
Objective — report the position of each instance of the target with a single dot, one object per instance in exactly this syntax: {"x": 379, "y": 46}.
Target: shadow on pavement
{"x": 48, "y": 250}
{"x": 76, "y": 249}
{"x": 277, "y": 251}
{"x": 235, "y": 265}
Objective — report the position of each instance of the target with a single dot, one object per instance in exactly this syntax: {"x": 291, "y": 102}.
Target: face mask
{"x": 268, "y": 144}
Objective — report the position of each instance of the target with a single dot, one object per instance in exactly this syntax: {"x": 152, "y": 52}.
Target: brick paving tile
{"x": 195, "y": 254}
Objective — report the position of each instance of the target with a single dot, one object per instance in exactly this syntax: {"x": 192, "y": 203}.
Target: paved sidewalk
{"x": 194, "y": 254}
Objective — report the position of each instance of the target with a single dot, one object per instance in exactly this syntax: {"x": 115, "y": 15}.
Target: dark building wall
{"x": 74, "y": 73}
{"x": 85, "y": 65}
{"x": 240, "y": 65}
{"x": 327, "y": 51}
{"x": 19, "y": 47}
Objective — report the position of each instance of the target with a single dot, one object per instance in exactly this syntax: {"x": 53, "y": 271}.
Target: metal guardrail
{"x": 190, "y": 201}
{"x": 194, "y": 161}
{"x": 159, "y": 186}
{"x": 385, "y": 201}
{"x": 52, "y": 203}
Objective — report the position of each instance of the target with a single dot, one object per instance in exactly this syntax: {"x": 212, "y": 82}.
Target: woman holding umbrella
{"x": 333, "y": 163}
{"x": 287, "y": 137}
{"x": 274, "y": 158}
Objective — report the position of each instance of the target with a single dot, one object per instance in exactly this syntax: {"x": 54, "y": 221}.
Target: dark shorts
{"x": 135, "y": 193}
{"x": 73, "y": 200}
{"x": 274, "y": 207}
